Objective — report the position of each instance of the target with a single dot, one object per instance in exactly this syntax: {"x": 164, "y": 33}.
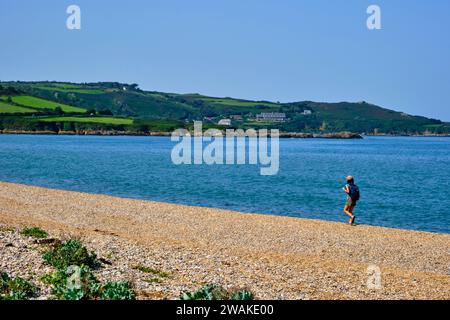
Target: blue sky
{"x": 278, "y": 50}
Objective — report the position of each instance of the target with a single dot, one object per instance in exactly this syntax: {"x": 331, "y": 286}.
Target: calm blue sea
{"x": 404, "y": 181}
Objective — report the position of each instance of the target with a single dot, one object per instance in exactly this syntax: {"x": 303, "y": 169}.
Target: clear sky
{"x": 281, "y": 50}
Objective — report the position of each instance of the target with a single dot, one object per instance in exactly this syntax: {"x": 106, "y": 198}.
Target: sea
{"x": 404, "y": 181}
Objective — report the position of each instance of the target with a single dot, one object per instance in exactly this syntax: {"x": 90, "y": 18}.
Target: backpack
{"x": 354, "y": 192}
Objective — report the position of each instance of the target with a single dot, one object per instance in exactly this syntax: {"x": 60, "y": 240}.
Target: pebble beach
{"x": 275, "y": 257}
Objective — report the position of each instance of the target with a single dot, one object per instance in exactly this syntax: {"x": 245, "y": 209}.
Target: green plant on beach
{"x": 158, "y": 275}
{"x": 69, "y": 253}
{"x": 207, "y": 292}
{"x": 216, "y": 292}
{"x": 15, "y": 289}
{"x": 75, "y": 283}
{"x": 242, "y": 295}
{"x": 73, "y": 278}
{"x": 78, "y": 283}
{"x": 156, "y": 272}
{"x": 34, "y": 232}
{"x": 120, "y": 290}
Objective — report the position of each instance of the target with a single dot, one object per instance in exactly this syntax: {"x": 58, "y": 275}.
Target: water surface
{"x": 404, "y": 181}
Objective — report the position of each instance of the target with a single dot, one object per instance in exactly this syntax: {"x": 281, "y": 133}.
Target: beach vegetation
{"x": 207, "y": 292}
{"x": 34, "y": 232}
{"x": 217, "y": 292}
{"x": 81, "y": 284}
{"x": 156, "y": 272}
{"x": 70, "y": 252}
{"x": 67, "y": 287}
{"x": 74, "y": 279}
{"x": 242, "y": 295}
{"x": 120, "y": 290}
{"x": 158, "y": 275}
{"x": 15, "y": 288}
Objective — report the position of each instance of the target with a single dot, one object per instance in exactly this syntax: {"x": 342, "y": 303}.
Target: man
{"x": 352, "y": 191}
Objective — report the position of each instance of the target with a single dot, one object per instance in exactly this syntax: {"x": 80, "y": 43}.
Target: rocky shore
{"x": 274, "y": 257}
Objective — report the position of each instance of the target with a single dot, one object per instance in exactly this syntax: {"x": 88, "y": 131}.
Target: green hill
{"x": 151, "y": 110}
{"x": 38, "y": 103}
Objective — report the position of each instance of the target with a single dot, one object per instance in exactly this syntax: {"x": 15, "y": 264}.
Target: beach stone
{"x": 272, "y": 256}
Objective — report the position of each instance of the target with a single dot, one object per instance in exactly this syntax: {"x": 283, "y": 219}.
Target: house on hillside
{"x": 224, "y": 122}
{"x": 271, "y": 116}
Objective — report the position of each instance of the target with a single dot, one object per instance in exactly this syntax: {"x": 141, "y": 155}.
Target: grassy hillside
{"x": 6, "y": 108}
{"x": 38, "y": 103}
{"x": 99, "y": 120}
{"x": 151, "y": 110}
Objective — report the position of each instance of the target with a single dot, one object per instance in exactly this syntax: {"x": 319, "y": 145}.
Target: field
{"x": 238, "y": 103}
{"x": 65, "y": 85}
{"x": 71, "y": 90}
{"x": 70, "y": 87}
{"x": 100, "y": 120}
{"x": 82, "y": 91}
{"x": 38, "y": 103}
{"x": 7, "y": 108}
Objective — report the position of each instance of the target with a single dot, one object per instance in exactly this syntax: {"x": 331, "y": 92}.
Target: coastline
{"x": 283, "y": 135}
{"x": 276, "y": 257}
{"x": 300, "y": 135}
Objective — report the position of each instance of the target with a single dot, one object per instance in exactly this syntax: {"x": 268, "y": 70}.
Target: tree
{"x": 59, "y": 110}
{"x": 12, "y": 90}
{"x": 9, "y": 99}
{"x": 68, "y": 126}
{"x": 105, "y": 112}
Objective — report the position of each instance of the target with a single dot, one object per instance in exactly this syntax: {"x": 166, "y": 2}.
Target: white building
{"x": 271, "y": 116}
{"x": 224, "y": 122}
{"x": 307, "y": 112}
